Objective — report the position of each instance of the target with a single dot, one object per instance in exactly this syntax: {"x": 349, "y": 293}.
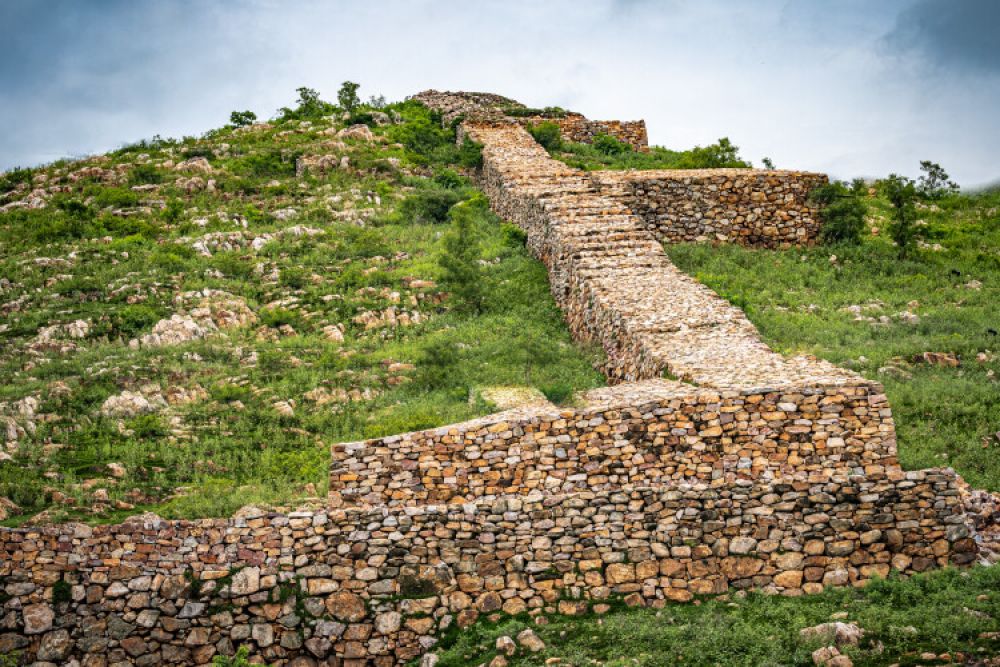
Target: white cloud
{"x": 810, "y": 86}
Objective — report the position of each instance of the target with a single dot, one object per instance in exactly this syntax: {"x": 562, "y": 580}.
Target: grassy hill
{"x": 186, "y": 326}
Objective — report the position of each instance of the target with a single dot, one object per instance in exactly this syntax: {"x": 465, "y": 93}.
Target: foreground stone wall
{"x": 752, "y": 207}
{"x": 578, "y": 128}
{"x": 633, "y": 435}
{"x": 373, "y": 587}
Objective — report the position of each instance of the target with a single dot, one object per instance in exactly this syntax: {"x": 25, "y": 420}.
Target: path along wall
{"x": 373, "y": 586}
{"x": 751, "y": 207}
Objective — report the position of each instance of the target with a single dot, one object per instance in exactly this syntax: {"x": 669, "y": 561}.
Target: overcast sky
{"x": 850, "y": 88}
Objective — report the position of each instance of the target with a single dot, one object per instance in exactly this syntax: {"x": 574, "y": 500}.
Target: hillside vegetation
{"x": 186, "y": 326}
{"x": 862, "y": 307}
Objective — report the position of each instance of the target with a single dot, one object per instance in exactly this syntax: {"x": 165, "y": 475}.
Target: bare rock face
{"x": 362, "y": 132}
{"x": 127, "y": 404}
{"x": 841, "y": 634}
{"x": 196, "y": 164}
{"x": 212, "y": 310}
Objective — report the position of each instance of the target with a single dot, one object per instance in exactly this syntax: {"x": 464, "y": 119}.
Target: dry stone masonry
{"x": 710, "y": 464}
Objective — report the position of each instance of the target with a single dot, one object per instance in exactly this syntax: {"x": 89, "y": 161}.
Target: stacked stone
{"x": 577, "y": 128}
{"x": 373, "y": 587}
{"x": 616, "y": 285}
{"x": 630, "y": 435}
{"x": 777, "y": 474}
{"x": 752, "y": 207}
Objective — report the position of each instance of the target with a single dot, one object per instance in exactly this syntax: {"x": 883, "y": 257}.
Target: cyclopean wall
{"x": 756, "y": 471}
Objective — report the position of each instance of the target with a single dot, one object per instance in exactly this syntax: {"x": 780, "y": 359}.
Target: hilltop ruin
{"x": 710, "y": 463}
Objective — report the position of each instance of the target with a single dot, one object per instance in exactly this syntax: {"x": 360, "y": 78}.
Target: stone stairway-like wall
{"x": 757, "y": 472}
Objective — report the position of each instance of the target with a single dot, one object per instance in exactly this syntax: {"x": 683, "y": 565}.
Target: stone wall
{"x": 752, "y": 207}
{"x": 578, "y": 128}
{"x": 656, "y": 433}
{"x": 747, "y": 469}
{"x": 373, "y": 586}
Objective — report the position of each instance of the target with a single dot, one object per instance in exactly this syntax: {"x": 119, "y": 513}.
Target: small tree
{"x": 901, "y": 192}
{"x": 347, "y": 96}
{"x": 547, "y": 134}
{"x": 309, "y": 102}
{"x": 242, "y": 118}
{"x": 842, "y": 210}
{"x": 460, "y": 259}
{"x": 768, "y": 163}
{"x": 935, "y": 182}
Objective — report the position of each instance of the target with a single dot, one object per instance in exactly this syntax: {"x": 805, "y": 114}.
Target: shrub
{"x": 470, "y": 154}
{"x": 842, "y": 210}
{"x": 448, "y": 178}
{"x": 129, "y": 321}
{"x": 608, "y": 145}
{"x": 558, "y": 392}
{"x": 276, "y": 317}
{"x": 901, "y": 193}
{"x": 227, "y": 393}
{"x": 429, "y": 205}
{"x": 268, "y": 163}
{"x": 935, "y": 182}
{"x": 145, "y": 173}
{"x": 722, "y": 153}
{"x": 109, "y": 197}
{"x": 547, "y": 134}
{"x": 294, "y": 277}
{"x": 435, "y": 367}
{"x": 460, "y": 257}
{"x": 242, "y": 118}
{"x": 173, "y": 211}
{"x": 13, "y": 178}
{"x": 513, "y": 236}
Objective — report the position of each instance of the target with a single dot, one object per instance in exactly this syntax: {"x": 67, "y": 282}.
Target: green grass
{"x": 799, "y": 300}
{"x": 948, "y": 610}
{"x": 590, "y": 157}
{"x": 377, "y": 226}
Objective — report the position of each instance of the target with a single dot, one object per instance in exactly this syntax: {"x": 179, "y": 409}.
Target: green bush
{"x": 462, "y": 273}
{"x": 130, "y": 321}
{"x": 294, "y": 277}
{"x": 428, "y": 205}
{"x": 842, "y": 210}
{"x": 719, "y": 155}
{"x": 608, "y": 145}
{"x": 11, "y": 179}
{"x": 548, "y": 135}
{"x": 142, "y": 174}
{"x": 265, "y": 163}
{"x": 276, "y": 317}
